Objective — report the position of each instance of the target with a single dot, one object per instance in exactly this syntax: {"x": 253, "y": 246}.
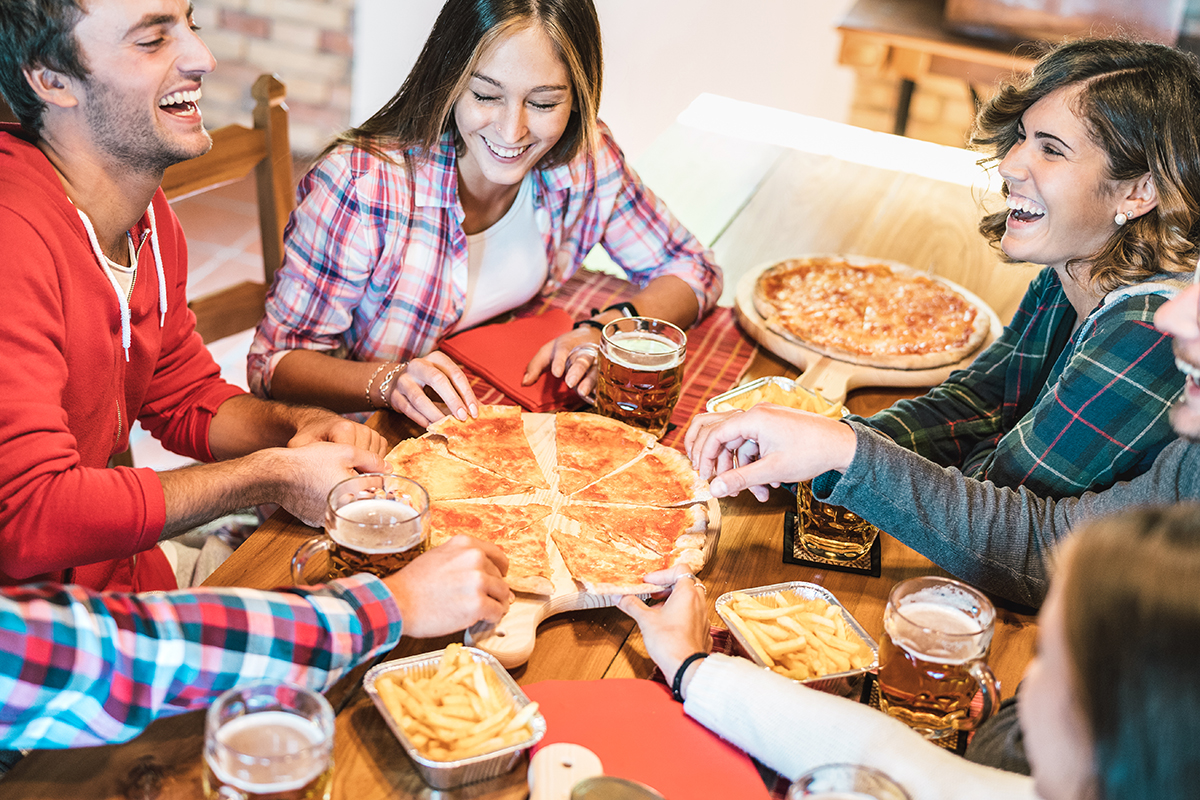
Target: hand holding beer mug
{"x": 268, "y": 742}
{"x": 640, "y": 372}
{"x": 936, "y": 635}
{"x": 374, "y": 523}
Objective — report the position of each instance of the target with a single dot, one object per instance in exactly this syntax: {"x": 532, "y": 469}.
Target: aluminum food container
{"x": 845, "y": 684}
{"x": 787, "y": 384}
{"x": 449, "y": 774}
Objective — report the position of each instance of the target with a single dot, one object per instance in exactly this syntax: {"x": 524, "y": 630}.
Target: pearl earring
{"x": 1121, "y": 218}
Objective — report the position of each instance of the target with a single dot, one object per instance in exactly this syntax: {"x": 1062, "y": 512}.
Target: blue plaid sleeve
{"x": 1102, "y": 417}
{"x": 81, "y": 668}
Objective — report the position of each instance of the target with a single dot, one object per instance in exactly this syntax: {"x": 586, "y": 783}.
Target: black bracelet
{"x": 626, "y": 308}
{"x": 594, "y": 323}
{"x": 677, "y": 684}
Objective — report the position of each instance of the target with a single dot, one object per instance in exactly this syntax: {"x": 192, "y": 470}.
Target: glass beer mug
{"x": 640, "y": 372}
{"x": 269, "y": 741}
{"x": 936, "y": 635}
{"x": 374, "y": 523}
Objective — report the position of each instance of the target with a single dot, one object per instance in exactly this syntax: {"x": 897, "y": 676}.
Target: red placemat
{"x": 717, "y": 351}
{"x": 639, "y": 732}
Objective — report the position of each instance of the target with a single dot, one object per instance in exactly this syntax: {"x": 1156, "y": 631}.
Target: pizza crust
{"x": 804, "y": 308}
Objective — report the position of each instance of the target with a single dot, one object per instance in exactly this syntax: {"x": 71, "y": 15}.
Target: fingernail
{"x": 474, "y": 410}
{"x": 718, "y": 488}
{"x": 462, "y": 415}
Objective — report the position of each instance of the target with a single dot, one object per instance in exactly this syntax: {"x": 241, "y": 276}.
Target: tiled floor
{"x": 223, "y": 249}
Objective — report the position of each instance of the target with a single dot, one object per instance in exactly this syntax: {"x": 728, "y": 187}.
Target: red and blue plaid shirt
{"x": 81, "y": 668}
{"x": 371, "y": 249}
{"x": 1100, "y": 417}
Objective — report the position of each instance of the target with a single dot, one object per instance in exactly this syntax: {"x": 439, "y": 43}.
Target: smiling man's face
{"x": 145, "y": 64}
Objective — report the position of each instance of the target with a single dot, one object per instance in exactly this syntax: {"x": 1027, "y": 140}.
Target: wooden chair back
{"x": 235, "y": 152}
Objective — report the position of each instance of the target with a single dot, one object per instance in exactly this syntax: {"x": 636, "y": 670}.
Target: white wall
{"x": 658, "y": 55}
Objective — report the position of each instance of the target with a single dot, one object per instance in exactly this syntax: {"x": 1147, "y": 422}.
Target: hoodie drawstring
{"x": 126, "y": 316}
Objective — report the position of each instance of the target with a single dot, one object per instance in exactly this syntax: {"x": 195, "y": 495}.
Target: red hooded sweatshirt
{"x": 70, "y": 389}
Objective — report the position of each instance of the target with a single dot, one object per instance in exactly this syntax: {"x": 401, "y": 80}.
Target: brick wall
{"x": 941, "y": 109}
{"x": 307, "y": 43}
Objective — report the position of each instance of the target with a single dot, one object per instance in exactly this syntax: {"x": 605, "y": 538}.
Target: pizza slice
{"x": 520, "y": 531}
{"x": 485, "y": 521}
{"x": 660, "y": 530}
{"x": 604, "y": 568}
{"x": 590, "y": 446}
{"x": 445, "y": 476}
{"x": 494, "y": 440}
{"x": 659, "y": 477}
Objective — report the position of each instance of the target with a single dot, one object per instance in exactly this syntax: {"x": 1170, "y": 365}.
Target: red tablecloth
{"x": 717, "y": 351}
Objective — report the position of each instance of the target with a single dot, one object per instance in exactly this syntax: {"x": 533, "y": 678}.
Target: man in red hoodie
{"x": 96, "y": 331}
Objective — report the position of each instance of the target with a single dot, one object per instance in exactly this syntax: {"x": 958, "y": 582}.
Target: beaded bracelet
{"x": 371, "y": 380}
{"x": 677, "y": 684}
{"x": 387, "y": 380}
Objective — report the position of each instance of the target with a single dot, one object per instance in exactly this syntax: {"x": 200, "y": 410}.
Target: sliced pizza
{"x": 661, "y": 530}
{"x": 590, "y": 446}
{"x": 519, "y": 530}
{"x": 445, "y": 476}
{"x": 605, "y": 568}
{"x": 486, "y": 521}
{"x": 496, "y": 441}
{"x": 659, "y": 477}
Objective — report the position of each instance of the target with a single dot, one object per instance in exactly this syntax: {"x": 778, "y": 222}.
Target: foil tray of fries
{"x": 844, "y": 682}
{"x": 482, "y": 673}
{"x": 781, "y": 391}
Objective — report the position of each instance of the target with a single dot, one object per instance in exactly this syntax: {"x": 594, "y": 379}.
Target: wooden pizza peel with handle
{"x": 830, "y": 377}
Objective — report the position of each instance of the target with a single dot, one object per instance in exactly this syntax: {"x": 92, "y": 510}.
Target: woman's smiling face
{"x": 514, "y": 110}
{"x": 1061, "y": 199}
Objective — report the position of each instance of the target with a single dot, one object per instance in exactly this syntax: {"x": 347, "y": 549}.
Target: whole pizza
{"x": 876, "y": 313}
{"x": 571, "y": 491}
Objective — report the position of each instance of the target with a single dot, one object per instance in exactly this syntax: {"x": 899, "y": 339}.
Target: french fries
{"x": 772, "y": 392}
{"x": 458, "y": 712}
{"x": 797, "y": 637}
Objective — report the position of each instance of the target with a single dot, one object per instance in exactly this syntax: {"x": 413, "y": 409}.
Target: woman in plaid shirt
{"x": 1098, "y": 151}
{"x": 483, "y": 182}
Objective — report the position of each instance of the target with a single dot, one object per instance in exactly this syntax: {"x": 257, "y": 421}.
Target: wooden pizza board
{"x": 830, "y": 377}
{"x": 511, "y": 640}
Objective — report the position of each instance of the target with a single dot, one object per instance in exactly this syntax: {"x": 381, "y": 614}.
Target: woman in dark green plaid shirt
{"x": 1099, "y": 150}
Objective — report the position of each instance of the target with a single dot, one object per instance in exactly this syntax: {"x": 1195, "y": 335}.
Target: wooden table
{"x": 796, "y": 193}
{"x": 907, "y": 39}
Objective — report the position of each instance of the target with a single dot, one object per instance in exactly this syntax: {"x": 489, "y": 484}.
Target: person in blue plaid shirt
{"x": 79, "y": 667}
{"x": 1097, "y": 150}
{"x": 482, "y": 183}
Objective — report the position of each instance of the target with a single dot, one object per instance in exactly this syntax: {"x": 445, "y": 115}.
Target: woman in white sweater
{"x": 1110, "y": 705}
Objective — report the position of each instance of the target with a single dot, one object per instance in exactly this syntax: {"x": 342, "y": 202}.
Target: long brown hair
{"x": 423, "y": 109}
{"x": 1131, "y": 599}
{"x": 1141, "y": 102}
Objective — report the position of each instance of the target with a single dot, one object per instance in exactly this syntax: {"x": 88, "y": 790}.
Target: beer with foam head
{"x": 378, "y": 553}
{"x": 373, "y": 523}
{"x": 268, "y": 742}
{"x": 936, "y": 635}
{"x": 640, "y": 372}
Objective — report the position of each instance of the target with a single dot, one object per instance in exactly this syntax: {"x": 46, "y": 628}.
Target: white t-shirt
{"x": 506, "y": 264}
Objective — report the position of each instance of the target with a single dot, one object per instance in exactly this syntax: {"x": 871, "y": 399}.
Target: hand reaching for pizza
{"x": 451, "y": 587}
{"x": 571, "y": 356}
{"x": 444, "y": 377}
{"x": 766, "y": 446}
{"x": 676, "y": 628}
